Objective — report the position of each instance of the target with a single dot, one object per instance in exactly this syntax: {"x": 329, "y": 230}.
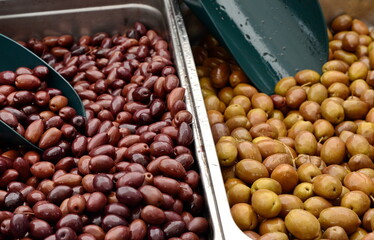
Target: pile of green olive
{"x": 297, "y": 164}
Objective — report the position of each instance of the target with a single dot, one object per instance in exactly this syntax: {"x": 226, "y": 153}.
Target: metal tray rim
{"x": 228, "y": 226}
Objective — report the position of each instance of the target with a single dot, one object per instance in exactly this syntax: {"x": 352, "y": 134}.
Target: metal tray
{"x": 229, "y": 228}
{"x": 23, "y": 19}
{"x": 196, "y": 30}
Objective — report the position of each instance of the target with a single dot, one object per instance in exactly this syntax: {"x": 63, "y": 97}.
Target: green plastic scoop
{"x": 12, "y": 56}
{"x": 270, "y": 39}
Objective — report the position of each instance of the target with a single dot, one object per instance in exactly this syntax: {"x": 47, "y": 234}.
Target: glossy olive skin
{"x": 102, "y": 183}
{"x": 12, "y": 200}
{"x": 129, "y": 196}
{"x": 319, "y": 113}
{"x": 65, "y": 233}
{"x": 91, "y": 181}
{"x": 59, "y": 193}
{"x": 47, "y": 211}
{"x": 76, "y": 204}
{"x": 72, "y": 221}
{"x": 119, "y": 209}
{"x": 96, "y": 202}
{"x": 111, "y": 221}
{"x": 19, "y": 225}
{"x": 174, "y": 228}
{"x": 39, "y": 229}
{"x": 119, "y": 232}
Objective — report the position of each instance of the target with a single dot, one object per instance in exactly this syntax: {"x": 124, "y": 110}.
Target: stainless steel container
{"x": 361, "y": 9}
{"x": 229, "y": 228}
{"x": 24, "y": 19}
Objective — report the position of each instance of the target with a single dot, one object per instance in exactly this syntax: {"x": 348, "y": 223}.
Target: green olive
{"x": 226, "y": 152}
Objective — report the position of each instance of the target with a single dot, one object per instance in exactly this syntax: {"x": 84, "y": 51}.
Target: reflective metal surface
{"x": 195, "y": 33}
{"x": 207, "y": 150}
{"x": 23, "y": 19}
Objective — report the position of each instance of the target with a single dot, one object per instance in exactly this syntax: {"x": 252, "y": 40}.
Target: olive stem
{"x": 288, "y": 152}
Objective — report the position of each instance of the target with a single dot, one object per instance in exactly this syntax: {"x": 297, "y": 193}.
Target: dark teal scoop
{"x": 270, "y": 39}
